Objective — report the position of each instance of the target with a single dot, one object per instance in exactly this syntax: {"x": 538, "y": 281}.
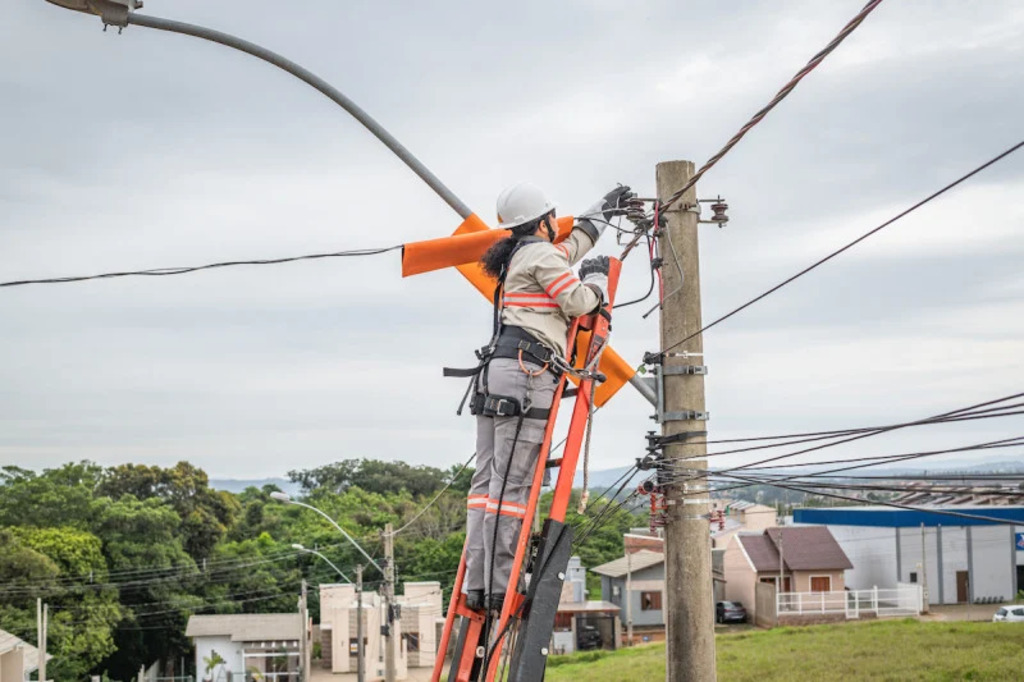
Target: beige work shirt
{"x": 542, "y": 293}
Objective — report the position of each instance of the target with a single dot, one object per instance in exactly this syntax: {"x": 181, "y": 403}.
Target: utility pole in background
{"x": 42, "y": 613}
{"x": 304, "y": 653}
{"x": 389, "y": 603}
{"x": 629, "y": 597}
{"x": 690, "y": 625}
{"x": 924, "y": 574}
{"x": 360, "y": 650}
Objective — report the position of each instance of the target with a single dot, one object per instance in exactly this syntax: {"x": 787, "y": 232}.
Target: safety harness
{"x": 507, "y": 341}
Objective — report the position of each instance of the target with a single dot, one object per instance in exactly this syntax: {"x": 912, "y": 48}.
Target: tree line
{"x": 123, "y": 555}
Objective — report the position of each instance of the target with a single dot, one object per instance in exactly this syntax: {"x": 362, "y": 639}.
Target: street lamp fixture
{"x": 287, "y": 499}
{"x": 329, "y": 562}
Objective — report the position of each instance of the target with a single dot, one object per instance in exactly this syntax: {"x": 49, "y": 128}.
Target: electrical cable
{"x": 162, "y": 272}
{"x": 842, "y": 249}
{"x": 420, "y": 513}
{"x": 756, "y": 118}
{"x": 887, "y": 429}
{"x": 895, "y": 505}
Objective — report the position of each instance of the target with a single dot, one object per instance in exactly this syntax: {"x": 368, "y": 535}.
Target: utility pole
{"x": 304, "y": 673}
{"x": 360, "y": 651}
{"x": 924, "y": 574}
{"x": 389, "y": 604}
{"x": 629, "y": 598}
{"x": 690, "y": 624}
{"x": 42, "y": 624}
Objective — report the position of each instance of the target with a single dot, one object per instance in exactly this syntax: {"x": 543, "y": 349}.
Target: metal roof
{"x": 890, "y": 517}
{"x": 637, "y": 561}
{"x": 247, "y": 627}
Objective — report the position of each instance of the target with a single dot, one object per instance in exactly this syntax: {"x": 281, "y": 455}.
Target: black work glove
{"x": 614, "y": 201}
{"x": 592, "y": 266}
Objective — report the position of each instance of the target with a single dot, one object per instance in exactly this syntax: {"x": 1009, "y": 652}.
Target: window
{"x": 913, "y": 576}
{"x": 412, "y": 641}
{"x": 563, "y": 622}
{"x": 821, "y": 583}
{"x": 650, "y": 601}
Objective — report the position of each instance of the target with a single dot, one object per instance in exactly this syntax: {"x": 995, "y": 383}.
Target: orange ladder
{"x": 531, "y": 617}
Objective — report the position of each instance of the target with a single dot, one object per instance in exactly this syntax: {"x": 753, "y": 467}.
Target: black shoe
{"x": 495, "y": 602}
{"x": 475, "y": 600}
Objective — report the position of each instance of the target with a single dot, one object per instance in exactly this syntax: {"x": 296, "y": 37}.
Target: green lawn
{"x": 880, "y": 650}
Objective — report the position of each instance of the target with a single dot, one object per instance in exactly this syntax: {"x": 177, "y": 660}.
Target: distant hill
{"x": 237, "y": 485}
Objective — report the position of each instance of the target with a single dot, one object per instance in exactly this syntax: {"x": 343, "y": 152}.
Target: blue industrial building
{"x": 973, "y": 553}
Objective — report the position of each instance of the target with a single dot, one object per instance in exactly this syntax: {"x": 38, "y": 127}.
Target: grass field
{"x": 879, "y": 650}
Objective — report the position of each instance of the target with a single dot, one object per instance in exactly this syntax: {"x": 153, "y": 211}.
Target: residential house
{"x": 17, "y": 658}
{"x": 583, "y": 623}
{"x": 248, "y": 646}
{"x": 636, "y": 584}
{"x": 419, "y": 609}
{"x": 807, "y": 559}
{"x": 739, "y": 516}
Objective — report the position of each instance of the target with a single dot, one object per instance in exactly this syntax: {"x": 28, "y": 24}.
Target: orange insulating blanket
{"x": 467, "y": 244}
{"x": 463, "y": 251}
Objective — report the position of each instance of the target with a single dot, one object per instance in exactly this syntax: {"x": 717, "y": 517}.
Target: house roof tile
{"x": 804, "y": 548}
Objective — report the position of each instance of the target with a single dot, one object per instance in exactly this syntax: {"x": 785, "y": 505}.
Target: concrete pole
{"x": 690, "y": 622}
{"x": 304, "y": 675}
{"x": 924, "y": 574}
{"x": 46, "y": 643}
{"x": 629, "y": 598}
{"x": 389, "y": 603}
{"x": 360, "y": 651}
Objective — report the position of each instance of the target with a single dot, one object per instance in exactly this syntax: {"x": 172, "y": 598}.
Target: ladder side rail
{"x": 449, "y": 622}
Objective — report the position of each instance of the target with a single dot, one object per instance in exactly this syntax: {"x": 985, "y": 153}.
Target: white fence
{"x": 904, "y": 600}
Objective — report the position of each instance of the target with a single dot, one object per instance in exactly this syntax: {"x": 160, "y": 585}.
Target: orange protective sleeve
{"x": 467, "y": 244}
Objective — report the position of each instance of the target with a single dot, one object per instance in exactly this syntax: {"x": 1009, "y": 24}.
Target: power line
{"x": 847, "y": 246}
{"x": 962, "y": 412}
{"x": 779, "y": 96}
{"x": 163, "y": 272}
{"x": 757, "y": 117}
{"x": 427, "y": 506}
{"x": 895, "y": 505}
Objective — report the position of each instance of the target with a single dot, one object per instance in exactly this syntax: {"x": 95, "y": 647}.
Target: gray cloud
{"x": 147, "y": 150}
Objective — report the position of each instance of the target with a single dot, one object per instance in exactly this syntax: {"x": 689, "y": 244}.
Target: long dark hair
{"x": 496, "y": 260}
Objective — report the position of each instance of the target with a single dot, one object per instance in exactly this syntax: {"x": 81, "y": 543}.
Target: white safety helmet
{"x": 521, "y": 203}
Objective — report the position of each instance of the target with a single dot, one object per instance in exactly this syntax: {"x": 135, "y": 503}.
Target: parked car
{"x": 1011, "y": 613}
{"x": 589, "y": 637}
{"x": 730, "y": 612}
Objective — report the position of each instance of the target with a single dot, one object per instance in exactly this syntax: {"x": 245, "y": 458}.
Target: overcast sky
{"x": 149, "y": 149}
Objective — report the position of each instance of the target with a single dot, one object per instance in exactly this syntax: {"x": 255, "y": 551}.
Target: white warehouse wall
{"x": 230, "y": 651}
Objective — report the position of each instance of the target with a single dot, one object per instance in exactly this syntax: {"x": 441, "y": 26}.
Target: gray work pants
{"x": 496, "y": 499}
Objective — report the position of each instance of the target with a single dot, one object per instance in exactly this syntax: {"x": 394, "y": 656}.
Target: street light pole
{"x": 287, "y": 499}
{"x": 337, "y": 570}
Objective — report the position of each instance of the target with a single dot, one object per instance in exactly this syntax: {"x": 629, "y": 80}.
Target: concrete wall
{"x": 12, "y": 665}
{"x": 230, "y": 651}
{"x": 991, "y": 564}
{"x": 740, "y": 578}
{"x": 872, "y": 551}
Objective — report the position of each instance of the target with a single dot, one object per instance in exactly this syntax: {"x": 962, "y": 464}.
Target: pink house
{"x": 808, "y": 559}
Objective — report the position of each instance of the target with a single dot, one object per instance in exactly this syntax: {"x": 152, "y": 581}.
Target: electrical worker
{"x": 516, "y": 380}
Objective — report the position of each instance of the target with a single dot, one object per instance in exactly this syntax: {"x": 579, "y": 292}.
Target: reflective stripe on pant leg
{"x": 507, "y": 508}
{"x": 476, "y": 504}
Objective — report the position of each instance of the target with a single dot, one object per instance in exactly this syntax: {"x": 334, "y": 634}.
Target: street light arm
{"x": 315, "y": 81}
{"x": 331, "y": 564}
{"x": 340, "y": 530}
